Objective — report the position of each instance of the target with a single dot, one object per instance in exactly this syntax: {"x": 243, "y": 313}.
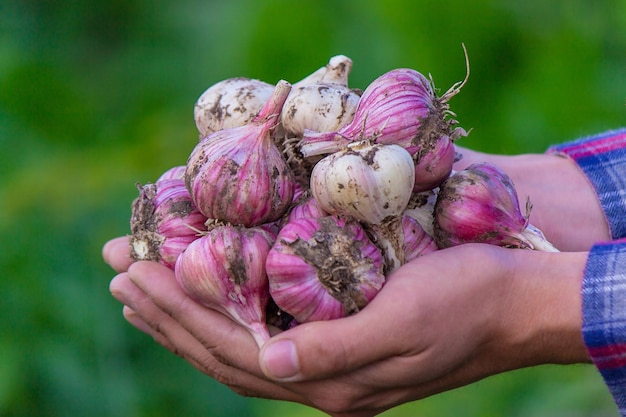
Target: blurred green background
{"x": 96, "y": 96}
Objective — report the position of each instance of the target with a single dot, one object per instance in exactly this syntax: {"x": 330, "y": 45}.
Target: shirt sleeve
{"x": 602, "y": 158}
{"x": 604, "y": 315}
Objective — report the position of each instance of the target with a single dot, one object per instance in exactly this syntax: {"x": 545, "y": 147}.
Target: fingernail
{"x": 279, "y": 360}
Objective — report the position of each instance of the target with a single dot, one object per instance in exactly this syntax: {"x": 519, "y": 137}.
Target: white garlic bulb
{"x": 230, "y": 103}
{"x": 335, "y": 72}
{"x": 322, "y": 101}
{"x": 320, "y": 107}
{"x": 367, "y": 181}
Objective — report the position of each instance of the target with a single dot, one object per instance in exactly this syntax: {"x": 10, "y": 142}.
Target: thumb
{"x": 325, "y": 348}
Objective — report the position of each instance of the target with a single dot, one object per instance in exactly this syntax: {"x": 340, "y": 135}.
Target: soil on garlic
{"x": 237, "y": 267}
{"x": 275, "y": 316}
{"x": 181, "y": 208}
{"x": 300, "y": 166}
{"x": 145, "y": 241}
{"x": 336, "y": 254}
{"x": 388, "y": 237}
{"x": 432, "y": 128}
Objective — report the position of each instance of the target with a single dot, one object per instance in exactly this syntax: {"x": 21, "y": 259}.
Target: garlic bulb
{"x": 225, "y": 270}
{"x": 400, "y": 239}
{"x": 174, "y": 173}
{"x": 335, "y": 72}
{"x": 421, "y": 207}
{"x": 323, "y": 269}
{"x": 164, "y": 222}
{"x": 320, "y": 107}
{"x": 434, "y": 165}
{"x": 322, "y": 101}
{"x": 307, "y": 207}
{"x": 230, "y": 103}
{"x": 367, "y": 181}
{"x": 238, "y": 175}
{"x": 480, "y": 204}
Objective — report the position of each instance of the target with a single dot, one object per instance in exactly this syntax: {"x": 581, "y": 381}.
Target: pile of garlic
{"x": 300, "y": 199}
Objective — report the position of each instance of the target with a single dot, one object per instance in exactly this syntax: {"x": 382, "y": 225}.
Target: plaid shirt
{"x": 603, "y": 160}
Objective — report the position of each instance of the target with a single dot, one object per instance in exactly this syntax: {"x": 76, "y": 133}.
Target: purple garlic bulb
{"x": 238, "y": 175}
{"x": 400, "y": 239}
{"x": 306, "y": 206}
{"x": 174, "y": 173}
{"x": 323, "y": 268}
{"x": 433, "y": 165}
{"x": 225, "y": 270}
{"x": 164, "y": 222}
{"x": 480, "y": 204}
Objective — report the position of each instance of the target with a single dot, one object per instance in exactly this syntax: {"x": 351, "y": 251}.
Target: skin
{"x": 474, "y": 311}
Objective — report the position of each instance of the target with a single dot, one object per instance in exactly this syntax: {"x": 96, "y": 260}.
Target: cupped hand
{"x": 155, "y": 304}
{"x": 442, "y": 321}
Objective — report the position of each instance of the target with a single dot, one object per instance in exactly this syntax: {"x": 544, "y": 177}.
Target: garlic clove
{"x": 369, "y": 182}
{"x": 433, "y": 164}
{"x": 416, "y": 241}
{"x": 307, "y": 207}
{"x": 324, "y": 268}
{"x": 338, "y": 70}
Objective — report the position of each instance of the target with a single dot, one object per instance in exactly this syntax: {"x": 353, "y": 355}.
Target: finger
{"x": 327, "y": 348}
{"x": 123, "y": 290}
{"x": 117, "y": 254}
{"x": 146, "y": 316}
{"x": 133, "y": 318}
{"x": 220, "y": 335}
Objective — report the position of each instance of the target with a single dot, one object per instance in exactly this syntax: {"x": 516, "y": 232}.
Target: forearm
{"x": 543, "y": 315}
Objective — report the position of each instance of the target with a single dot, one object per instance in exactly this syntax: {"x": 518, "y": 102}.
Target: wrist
{"x": 542, "y": 315}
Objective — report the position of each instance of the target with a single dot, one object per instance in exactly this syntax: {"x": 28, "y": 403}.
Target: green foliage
{"x": 97, "y": 96}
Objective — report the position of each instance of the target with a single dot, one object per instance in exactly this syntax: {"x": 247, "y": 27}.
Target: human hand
{"x": 217, "y": 347}
{"x": 442, "y": 321}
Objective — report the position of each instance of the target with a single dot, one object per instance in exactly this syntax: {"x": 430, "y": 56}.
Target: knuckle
{"x": 221, "y": 375}
{"x": 219, "y": 356}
